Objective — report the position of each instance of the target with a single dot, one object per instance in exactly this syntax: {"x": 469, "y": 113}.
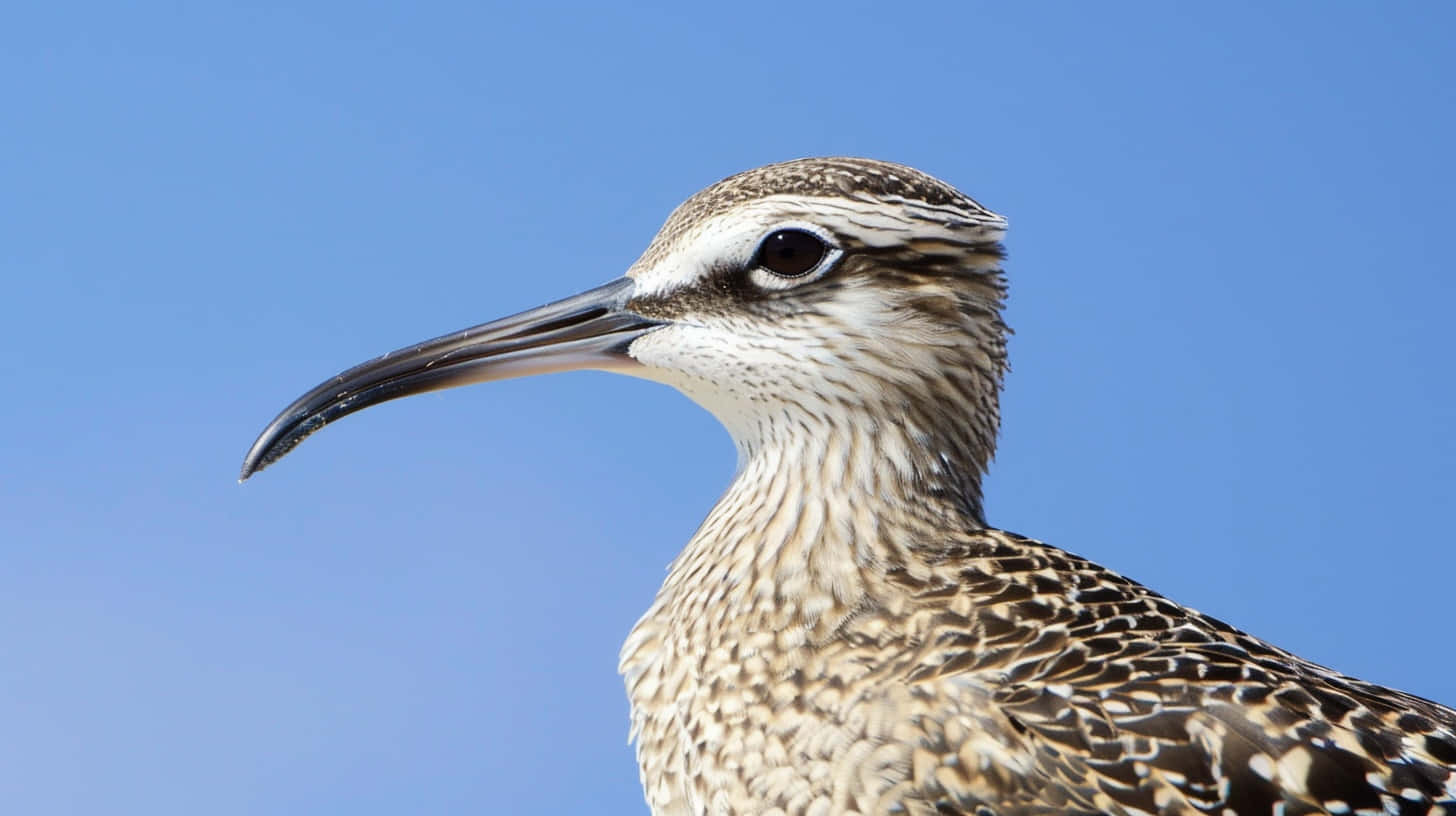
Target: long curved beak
{"x": 589, "y": 330}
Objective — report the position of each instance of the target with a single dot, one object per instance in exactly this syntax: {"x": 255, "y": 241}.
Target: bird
{"x": 845, "y": 633}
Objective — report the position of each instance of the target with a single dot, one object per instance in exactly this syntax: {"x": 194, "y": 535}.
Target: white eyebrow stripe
{"x": 731, "y": 237}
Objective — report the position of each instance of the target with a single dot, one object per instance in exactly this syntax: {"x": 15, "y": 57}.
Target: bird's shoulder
{"x": 1122, "y": 700}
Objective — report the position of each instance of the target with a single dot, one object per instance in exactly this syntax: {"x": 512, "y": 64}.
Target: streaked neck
{"x": 815, "y": 517}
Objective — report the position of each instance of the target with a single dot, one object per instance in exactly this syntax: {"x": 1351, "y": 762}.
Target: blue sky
{"x": 1231, "y": 286}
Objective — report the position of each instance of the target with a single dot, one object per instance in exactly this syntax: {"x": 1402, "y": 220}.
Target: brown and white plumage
{"x": 845, "y": 633}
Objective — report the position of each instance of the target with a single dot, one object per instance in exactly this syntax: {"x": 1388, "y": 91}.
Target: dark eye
{"x": 791, "y": 252}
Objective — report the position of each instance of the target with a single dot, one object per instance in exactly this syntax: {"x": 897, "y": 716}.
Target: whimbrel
{"x": 845, "y": 633}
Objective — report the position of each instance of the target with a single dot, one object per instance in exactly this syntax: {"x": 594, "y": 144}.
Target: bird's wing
{"x": 1171, "y": 739}
{"x": 1111, "y": 699}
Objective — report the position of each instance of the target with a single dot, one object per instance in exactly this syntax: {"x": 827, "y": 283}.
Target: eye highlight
{"x": 791, "y": 253}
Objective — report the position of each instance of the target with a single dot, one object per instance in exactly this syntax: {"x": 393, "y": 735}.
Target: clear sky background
{"x": 1232, "y": 288}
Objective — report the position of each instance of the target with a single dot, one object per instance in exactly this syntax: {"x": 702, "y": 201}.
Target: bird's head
{"x": 793, "y": 296}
